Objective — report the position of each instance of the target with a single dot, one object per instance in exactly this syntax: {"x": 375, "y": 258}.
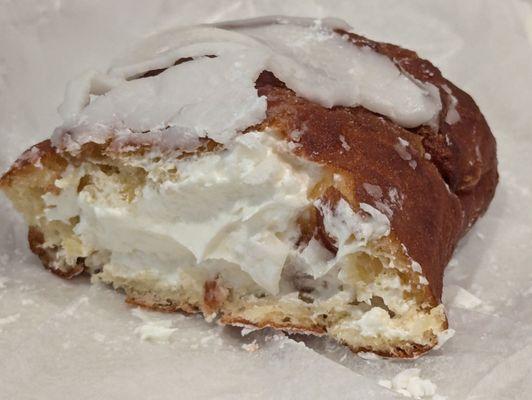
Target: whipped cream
{"x": 213, "y": 93}
{"x": 235, "y": 206}
{"x": 234, "y": 209}
{"x": 350, "y": 230}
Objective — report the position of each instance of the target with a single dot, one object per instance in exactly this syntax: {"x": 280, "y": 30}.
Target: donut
{"x": 276, "y": 172}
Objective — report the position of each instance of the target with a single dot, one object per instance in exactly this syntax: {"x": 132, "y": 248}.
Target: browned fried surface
{"x": 168, "y": 306}
{"x": 428, "y": 223}
{"x": 288, "y": 326}
{"x": 48, "y": 255}
{"x": 441, "y": 198}
{"x": 40, "y": 156}
{"x": 471, "y": 155}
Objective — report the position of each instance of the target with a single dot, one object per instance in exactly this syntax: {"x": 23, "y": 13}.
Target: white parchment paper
{"x": 71, "y": 340}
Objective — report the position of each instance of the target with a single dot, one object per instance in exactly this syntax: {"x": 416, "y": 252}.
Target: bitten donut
{"x": 274, "y": 172}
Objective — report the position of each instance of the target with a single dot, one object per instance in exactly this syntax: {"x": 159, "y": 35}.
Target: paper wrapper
{"x": 68, "y": 339}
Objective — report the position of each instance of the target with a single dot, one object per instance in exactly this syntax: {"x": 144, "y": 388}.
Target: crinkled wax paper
{"x": 70, "y": 340}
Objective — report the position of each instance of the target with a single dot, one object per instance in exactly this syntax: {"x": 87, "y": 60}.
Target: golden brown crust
{"x": 48, "y": 255}
{"x": 407, "y": 350}
{"x": 151, "y": 304}
{"x": 40, "y": 156}
{"x": 288, "y": 327}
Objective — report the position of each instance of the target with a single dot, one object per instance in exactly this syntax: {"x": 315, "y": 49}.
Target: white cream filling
{"x": 237, "y": 207}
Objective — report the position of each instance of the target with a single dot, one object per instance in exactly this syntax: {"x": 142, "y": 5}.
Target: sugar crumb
{"x": 251, "y": 347}
{"x": 410, "y": 384}
{"x": 153, "y": 330}
{"x": 344, "y": 143}
{"x": 156, "y": 331}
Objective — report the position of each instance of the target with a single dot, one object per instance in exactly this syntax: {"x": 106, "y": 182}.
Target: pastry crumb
{"x": 410, "y": 384}
{"x": 251, "y": 347}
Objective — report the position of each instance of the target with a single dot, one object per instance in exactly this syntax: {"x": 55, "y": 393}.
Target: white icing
{"x": 452, "y": 116}
{"x": 79, "y": 91}
{"x": 215, "y": 97}
{"x": 189, "y": 97}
